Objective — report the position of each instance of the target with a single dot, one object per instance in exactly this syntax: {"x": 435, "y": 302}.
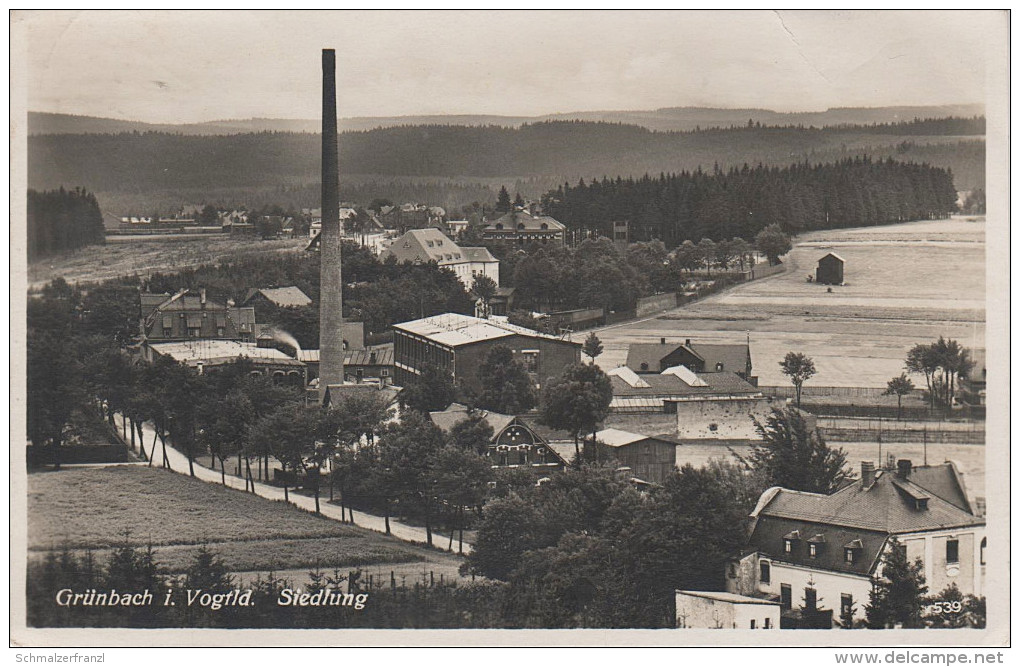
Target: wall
{"x": 649, "y": 460}
{"x": 830, "y": 587}
{"x": 731, "y": 417}
{"x": 658, "y": 303}
{"x": 553, "y": 358}
{"x": 693, "y": 611}
{"x": 938, "y": 574}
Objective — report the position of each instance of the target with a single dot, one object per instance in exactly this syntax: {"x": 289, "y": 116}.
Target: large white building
{"x": 814, "y": 551}
{"x": 431, "y": 245}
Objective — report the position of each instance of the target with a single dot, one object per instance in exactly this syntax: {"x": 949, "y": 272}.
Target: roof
{"x": 383, "y": 357}
{"x": 832, "y": 254}
{"x": 286, "y": 297}
{"x": 887, "y": 506}
{"x": 388, "y": 393}
{"x": 456, "y": 413}
{"x": 614, "y": 437}
{"x": 308, "y": 356}
{"x": 478, "y": 255}
{"x": 427, "y": 245}
{"x": 732, "y": 356}
{"x": 672, "y": 385}
{"x": 531, "y": 223}
{"x": 192, "y": 352}
{"x": 454, "y": 329}
{"x": 770, "y": 534}
{"x": 733, "y": 598}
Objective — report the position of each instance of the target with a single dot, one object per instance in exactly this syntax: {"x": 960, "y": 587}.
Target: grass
{"x": 100, "y": 508}
{"x": 145, "y": 256}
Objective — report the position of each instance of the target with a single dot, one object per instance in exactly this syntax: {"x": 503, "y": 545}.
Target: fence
{"x": 762, "y": 271}
{"x": 790, "y": 391}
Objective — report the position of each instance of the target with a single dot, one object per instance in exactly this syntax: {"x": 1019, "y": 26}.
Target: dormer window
{"x": 813, "y": 550}
{"x": 815, "y": 545}
{"x": 718, "y": 367}
{"x": 439, "y": 243}
{"x": 788, "y": 541}
{"x": 921, "y": 504}
{"x": 852, "y": 550}
{"x": 849, "y": 555}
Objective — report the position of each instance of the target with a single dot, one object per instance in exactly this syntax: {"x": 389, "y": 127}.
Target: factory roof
{"x": 193, "y": 352}
{"x": 454, "y": 329}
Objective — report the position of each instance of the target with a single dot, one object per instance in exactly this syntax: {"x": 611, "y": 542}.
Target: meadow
{"x": 141, "y": 256}
{"x": 905, "y": 284}
{"x": 99, "y": 508}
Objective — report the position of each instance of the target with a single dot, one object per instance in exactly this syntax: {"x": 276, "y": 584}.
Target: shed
{"x": 830, "y": 270}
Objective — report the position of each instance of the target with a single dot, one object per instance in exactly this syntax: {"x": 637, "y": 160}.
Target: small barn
{"x": 830, "y": 270}
{"x": 650, "y": 458}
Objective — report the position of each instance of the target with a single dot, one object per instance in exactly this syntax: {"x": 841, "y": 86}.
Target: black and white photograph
{"x": 497, "y": 322}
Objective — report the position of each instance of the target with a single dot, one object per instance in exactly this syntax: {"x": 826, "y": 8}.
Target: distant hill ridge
{"x": 664, "y": 119}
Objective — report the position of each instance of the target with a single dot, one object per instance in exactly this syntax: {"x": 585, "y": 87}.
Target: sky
{"x": 177, "y": 67}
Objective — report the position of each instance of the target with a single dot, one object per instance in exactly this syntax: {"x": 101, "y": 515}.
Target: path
{"x": 179, "y": 464}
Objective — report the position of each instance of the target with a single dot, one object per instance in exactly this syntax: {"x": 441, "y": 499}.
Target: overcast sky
{"x": 198, "y": 66}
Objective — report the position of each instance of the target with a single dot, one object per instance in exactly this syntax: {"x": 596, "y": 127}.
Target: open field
{"x": 906, "y": 284}
{"x": 99, "y": 508}
{"x": 142, "y": 256}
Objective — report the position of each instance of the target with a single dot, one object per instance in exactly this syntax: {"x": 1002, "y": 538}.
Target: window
{"x": 788, "y": 546}
{"x": 385, "y": 372}
{"x": 765, "y": 572}
{"x": 718, "y": 367}
{"x": 849, "y": 555}
{"x": 846, "y": 604}
{"x": 644, "y": 366}
{"x": 812, "y": 550}
{"x": 785, "y": 596}
{"x": 220, "y": 331}
{"x": 753, "y": 624}
{"x": 984, "y": 543}
{"x": 167, "y": 332}
{"x": 194, "y": 332}
{"x": 768, "y": 623}
{"x": 952, "y": 551}
{"x": 530, "y": 360}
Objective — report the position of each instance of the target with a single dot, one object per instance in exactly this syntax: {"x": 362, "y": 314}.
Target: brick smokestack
{"x": 331, "y": 347}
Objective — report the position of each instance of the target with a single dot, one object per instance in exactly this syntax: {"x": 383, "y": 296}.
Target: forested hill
{"x": 667, "y": 119}
{"x": 155, "y": 162}
{"x": 741, "y": 202}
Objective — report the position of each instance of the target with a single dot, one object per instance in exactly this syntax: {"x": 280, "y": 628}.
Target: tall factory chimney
{"x": 331, "y": 343}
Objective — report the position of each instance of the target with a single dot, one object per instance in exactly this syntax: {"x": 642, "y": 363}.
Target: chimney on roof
{"x": 687, "y": 342}
{"x": 201, "y": 296}
{"x": 867, "y": 474}
{"x": 903, "y": 468}
{"x": 371, "y": 358}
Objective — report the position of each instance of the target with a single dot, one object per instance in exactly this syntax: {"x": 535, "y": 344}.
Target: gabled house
{"x": 699, "y": 357}
{"x": 810, "y": 551}
{"x": 514, "y": 444}
{"x": 520, "y": 227}
{"x": 431, "y": 245}
{"x": 189, "y": 315}
{"x": 647, "y": 392}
